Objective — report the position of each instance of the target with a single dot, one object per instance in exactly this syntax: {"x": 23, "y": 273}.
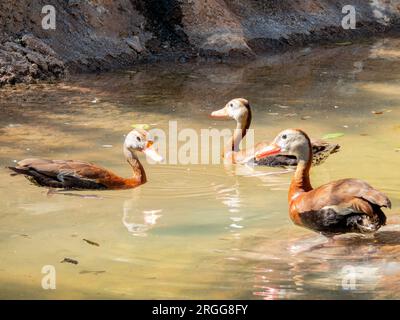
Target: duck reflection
{"x": 349, "y": 267}
{"x": 136, "y": 220}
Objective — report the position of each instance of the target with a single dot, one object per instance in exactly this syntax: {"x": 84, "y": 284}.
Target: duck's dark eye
{"x": 138, "y": 139}
{"x": 231, "y": 105}
{"x": 284, "y": 136}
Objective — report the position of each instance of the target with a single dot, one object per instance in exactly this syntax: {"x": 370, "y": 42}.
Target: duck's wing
{"x": 347, "y": 190}
{"x": 322, "y": 149}
{"x": 319, "y": 145}
{"x": 63, "y": 173}
{"x": 347, "y": 203}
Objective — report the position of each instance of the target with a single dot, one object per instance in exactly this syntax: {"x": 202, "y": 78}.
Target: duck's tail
{"x": 17, "y": 171}
{"x": 335, "y": 148}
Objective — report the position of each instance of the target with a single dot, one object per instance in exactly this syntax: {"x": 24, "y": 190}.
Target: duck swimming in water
{"x": 239, "y": 110}
{"x": 347, "y": 205}
{"x": 80, "y": 175}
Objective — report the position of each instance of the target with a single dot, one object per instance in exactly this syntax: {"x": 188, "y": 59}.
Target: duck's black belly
{"x": 330, "y": 223}
{"x": 277, "y": 161}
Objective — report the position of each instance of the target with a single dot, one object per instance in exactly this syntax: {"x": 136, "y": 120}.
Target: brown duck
{"x": 80, "y": 175}
{"x": 347, "y": 205}
{"x": 239, "y": 110}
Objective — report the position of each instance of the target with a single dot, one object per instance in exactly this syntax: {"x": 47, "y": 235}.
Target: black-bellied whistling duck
{"x": 347, "y": 205}
{"x": 80, "y": 175}
{"x": 239, "y": 110}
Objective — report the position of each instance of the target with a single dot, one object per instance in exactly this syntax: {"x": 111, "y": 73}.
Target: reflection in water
{"x": 221, "y": 231}
{"x": 351, "y": 264}
{"x": 230, "y": 197}
{"x": 149, "y": 218}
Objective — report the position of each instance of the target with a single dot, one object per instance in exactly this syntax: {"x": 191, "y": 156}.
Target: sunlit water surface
{"x": 202, "y": 231}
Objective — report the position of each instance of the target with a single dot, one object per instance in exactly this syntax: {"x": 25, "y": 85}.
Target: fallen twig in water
{"x": 91, "y": 242}
{"x": 69, "y": 260}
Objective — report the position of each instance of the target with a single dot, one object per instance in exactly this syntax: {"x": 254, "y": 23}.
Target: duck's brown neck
{"x": 139, "y": 175}
{"x": 239, "y": 133}
{"x": 301, "y": 179}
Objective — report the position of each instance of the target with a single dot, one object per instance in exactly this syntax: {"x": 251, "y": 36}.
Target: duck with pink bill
{"x": 342, "y": 206}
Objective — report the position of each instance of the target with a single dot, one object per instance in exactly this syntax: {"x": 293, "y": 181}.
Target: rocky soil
{"x": 98, "y": 35}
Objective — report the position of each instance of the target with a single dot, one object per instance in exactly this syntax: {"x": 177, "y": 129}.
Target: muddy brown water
{"x": 202, "y": 230}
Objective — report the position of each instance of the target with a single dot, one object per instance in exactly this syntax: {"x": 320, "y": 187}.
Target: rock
{"x": 256, "y": 26}
{"x": 102, "y": 35}
{"x": 226, "y": 44}
{"x": 134, "y": 43}
{"x": 38, "y": 45}
{"x": 154, "y": 45}
{"x": 28, "y": 60}
{"x": 73, "y": 3}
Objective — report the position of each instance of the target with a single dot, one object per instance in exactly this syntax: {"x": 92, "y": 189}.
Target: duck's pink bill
{"x": 153, "y": 154}
{"x": 270, "y": 150}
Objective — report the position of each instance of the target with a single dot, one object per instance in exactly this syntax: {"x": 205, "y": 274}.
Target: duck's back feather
{"x": 69, "y": 174}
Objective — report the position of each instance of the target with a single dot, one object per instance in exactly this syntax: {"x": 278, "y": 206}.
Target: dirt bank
{"x": 97, "y": 35}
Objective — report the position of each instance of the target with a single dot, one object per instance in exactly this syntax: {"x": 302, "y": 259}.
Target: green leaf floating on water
{"x": 346, "y": 43}
{"x": 143, "y": 126}
{"x": 333, "y": 135}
